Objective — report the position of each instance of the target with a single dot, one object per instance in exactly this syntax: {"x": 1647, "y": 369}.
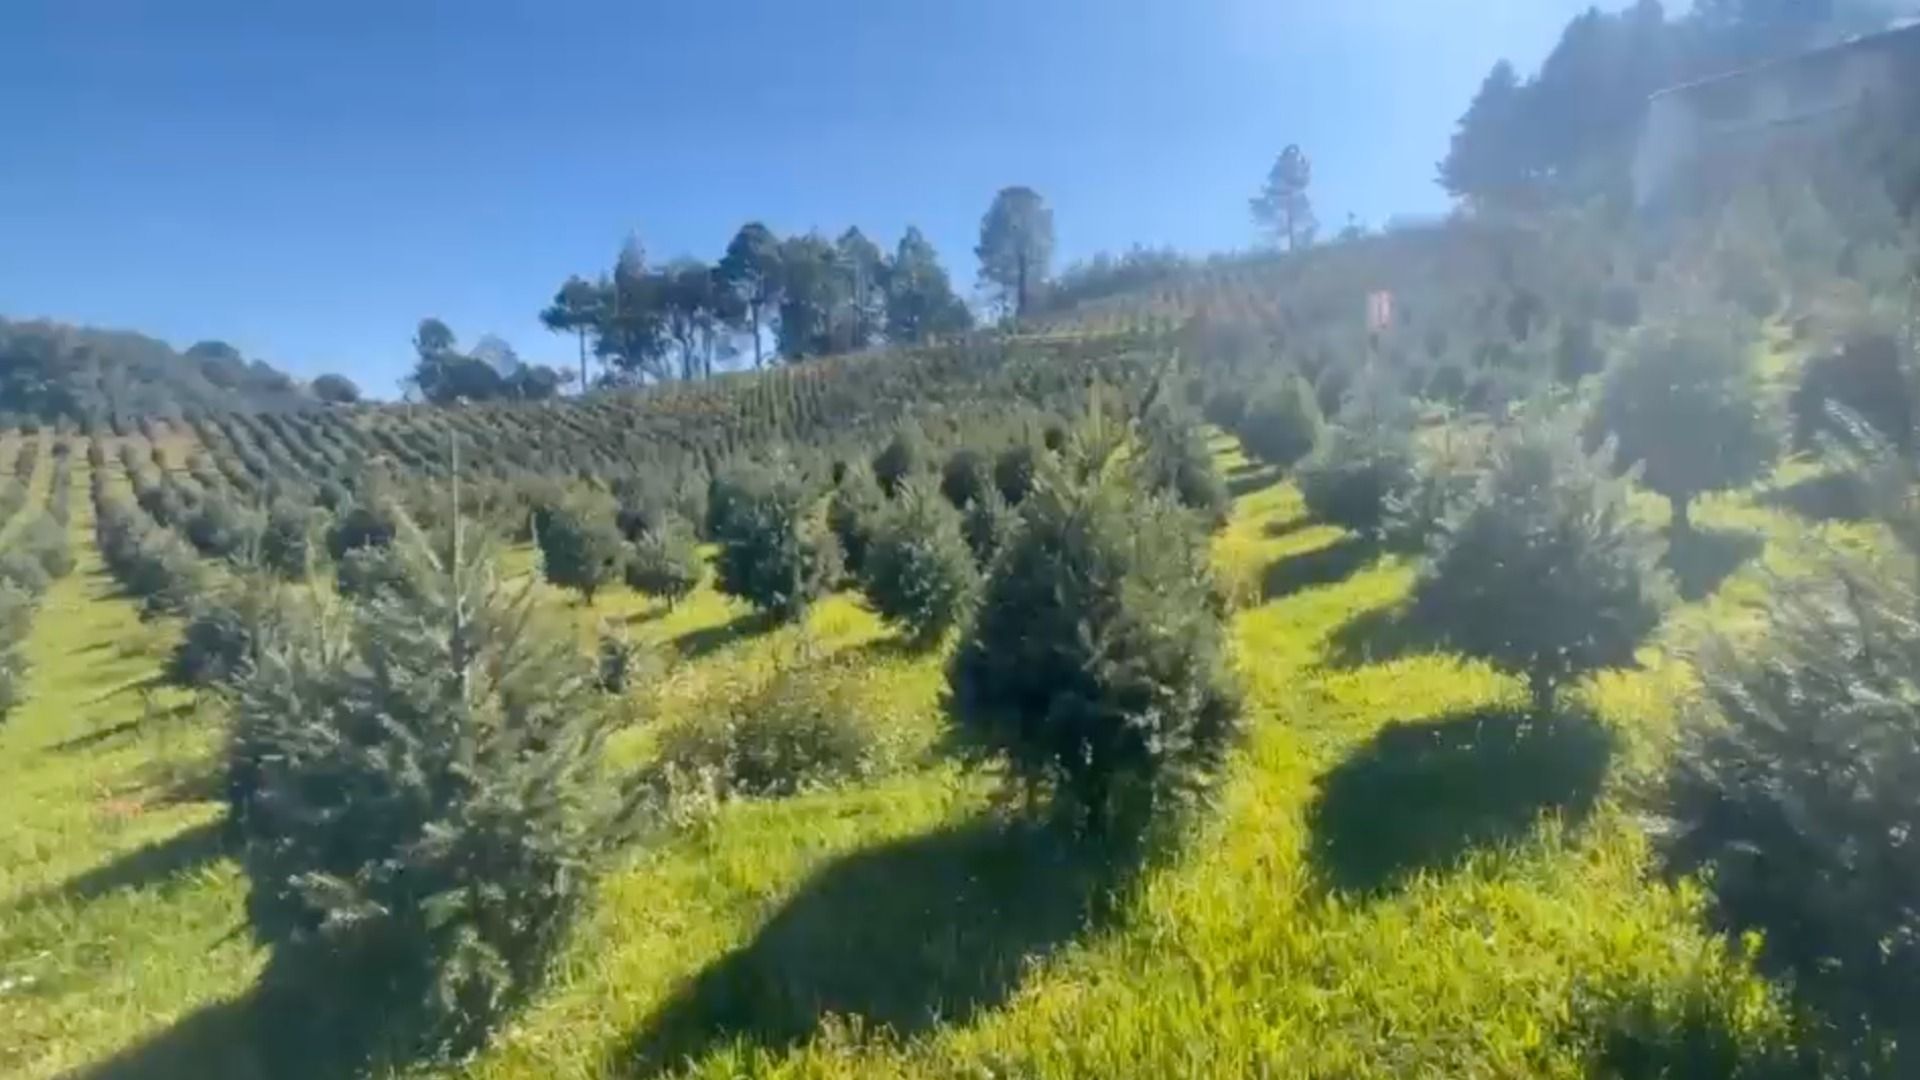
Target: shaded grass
{"x": 281, "y": 1027}
{"x": 1419, "y": 796}
{"x": 1321, "y": 566}
{"x": 699, "y": 642}
{"x": 904, "y": 935}
{"x": 1701, "y": 559}
{"x": 155, "y": 863}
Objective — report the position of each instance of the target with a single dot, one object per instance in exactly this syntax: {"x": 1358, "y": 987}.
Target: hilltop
{"x": 85, "y": 376}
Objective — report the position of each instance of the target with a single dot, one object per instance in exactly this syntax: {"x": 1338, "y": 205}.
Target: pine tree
{"x": 1174, "y": 458}
{"x": 1685, "y": 403}
{"x": 16, "y": 618}
{"x": 413, "y": 781}
{"x": 1282, "y": 205}
{"x": 580, "y": 545}
{"x": 665, "y": 561}
{"x": 1281, "y": 424}
{"x": 1364, "y": 461}
{"x": 1792, "y": 797}
{"x": 774, "y": 553}
{"x": 1096, "y": 664}
{"x": 1546, "y": 572}
{"x": 919, "y": 572}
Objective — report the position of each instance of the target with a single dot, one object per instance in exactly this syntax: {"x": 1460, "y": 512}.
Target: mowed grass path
{"x": 1399, "y": 879}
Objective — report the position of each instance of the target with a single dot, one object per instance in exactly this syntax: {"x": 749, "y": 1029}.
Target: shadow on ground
{"x": 710, "y": 639}
{"x": 149, "y": 864}
{"x": 1322, "y": 566}
{"x": 652, "y": 613}
{"x": 1422, "y": 795}
{"x": 280, "y": 1029}
{"x": 1277, "y": 530}
{"x": 1638, "y": 1036}
{"x": 925, "y": 930}
{"x": 141, "y": 684}
{"x": 1826, "y": 497}
{"x": 1377, "y": 636}
{"x": 132, "y": 725}
{"x": 1703, "y": 558}
{"x": 1257, "y": 478}
{"x": 897, "y": 647}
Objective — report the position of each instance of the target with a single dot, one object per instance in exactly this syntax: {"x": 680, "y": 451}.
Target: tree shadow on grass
{"x": 1376, "y": 636}
{"x": 128, "y": 726}
{"x": 1835, "y": 496}
{"x": 1258, "y": 478}
{"x": 1279, "y": 530}
{"x": 921, "y": 931}
{"x": 1638, "y": 1036}
{"x": 282, "y": 1028}
{"x": 898, "y": 647}
{"x": 1422, "y": 795}
{"x": 1701, "y": 559}
{"x": 1321, "y": 566}
{"x": 710, "y": 639}
{"x": 652, "y": 613}
{"x": 149, "y": 864}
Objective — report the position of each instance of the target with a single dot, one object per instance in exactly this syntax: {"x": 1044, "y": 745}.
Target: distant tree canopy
{"x": 51, "y": 371}
{"x": 1569, "y": 127}
{"x": 809, "y": 295}
{"x": 335, "y": 389}
{"x": 444, "y": 375}
{"x": 1016, "y": 248}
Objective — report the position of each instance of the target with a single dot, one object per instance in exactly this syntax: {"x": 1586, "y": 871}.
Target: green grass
{"x": 1397, "y": 880}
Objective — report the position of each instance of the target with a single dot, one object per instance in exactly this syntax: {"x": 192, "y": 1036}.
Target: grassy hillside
{"x": 1401, "y": 877}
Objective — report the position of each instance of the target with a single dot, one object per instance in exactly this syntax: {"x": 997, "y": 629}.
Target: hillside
{"x": 1479, "y": 650}
{"x": 51, "y": 372}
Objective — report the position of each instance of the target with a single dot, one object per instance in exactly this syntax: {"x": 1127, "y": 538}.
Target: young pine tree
{"x": 1281, "y": 424}
{"x": 1361, "y": 465}
{"x": 1174, "y": 458}
{"x": 986, "y": 524}
{"x": 226, "y": 632}
{"x": 1685, "y": 403}
{"x": 412, "y": 779}
{"x": 919, "y": 572}
{"x": 16, "y": 617}
{"x": 1794, "y": 792}
{"x": 906, "y": 455}
{"x": 857, "y": 502}
{"x": 580, "y": 545}
{"x": 286, "y": 542}
{"x": 773, "y": 553}
{"x": 1545, "y": 573}
{"x": 665, "y": 560}
{"x": 1097, "y": 663}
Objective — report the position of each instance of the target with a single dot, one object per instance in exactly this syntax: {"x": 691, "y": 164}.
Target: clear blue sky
{"x": 308, "y": 180}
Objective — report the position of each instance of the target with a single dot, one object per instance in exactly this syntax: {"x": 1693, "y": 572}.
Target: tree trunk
{"x": 1020, "y": 296}
{"x": 583, "y": 360}
{"x": 1682, "y": 515}
{"x": 758, "y": 359}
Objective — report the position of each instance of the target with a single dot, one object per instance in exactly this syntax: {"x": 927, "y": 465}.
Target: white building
{"x": 1695, "y": 126}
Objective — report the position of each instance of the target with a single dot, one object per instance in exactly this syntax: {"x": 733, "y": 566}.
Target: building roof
{"x": 1903, "y": 32}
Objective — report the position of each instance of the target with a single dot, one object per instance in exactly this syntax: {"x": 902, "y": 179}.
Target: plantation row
{"x": 34, "y": 553}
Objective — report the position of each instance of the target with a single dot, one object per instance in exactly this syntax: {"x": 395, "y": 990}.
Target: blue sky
{"x": 308, "y": 180}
